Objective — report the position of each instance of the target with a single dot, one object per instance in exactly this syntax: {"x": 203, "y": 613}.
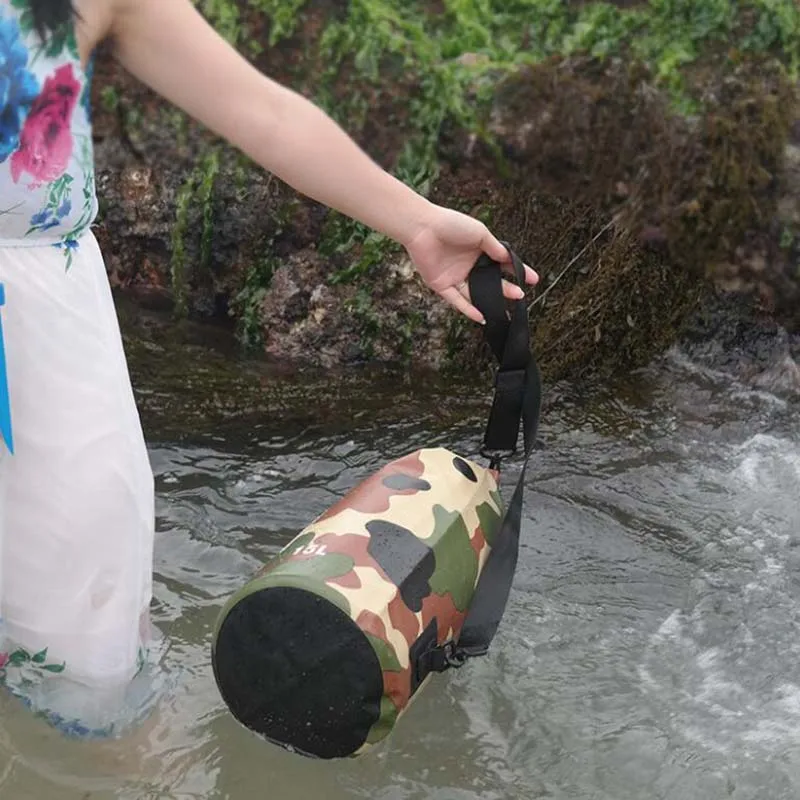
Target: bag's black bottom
{"x": 296, "y": 669}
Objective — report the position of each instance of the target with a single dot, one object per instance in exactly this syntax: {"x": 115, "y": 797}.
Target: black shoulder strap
{"x": 517, "y": 398}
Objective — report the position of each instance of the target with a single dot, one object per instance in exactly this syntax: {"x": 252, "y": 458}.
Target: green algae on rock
{"x": 548, "y": 119}
{"x": 683, "y": 194}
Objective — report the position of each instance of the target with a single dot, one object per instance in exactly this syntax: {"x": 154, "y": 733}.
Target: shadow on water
{"x": 650, "y": 649}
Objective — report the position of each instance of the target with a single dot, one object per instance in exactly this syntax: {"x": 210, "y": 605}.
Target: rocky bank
{"x": 640, "y": 216}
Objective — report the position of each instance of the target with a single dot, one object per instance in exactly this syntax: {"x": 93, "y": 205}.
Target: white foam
{"x": 710, "y": 667}
{"x": 769, "y": 462}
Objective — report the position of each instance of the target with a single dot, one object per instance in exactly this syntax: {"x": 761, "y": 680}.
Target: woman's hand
{"x": 445, "y": 249}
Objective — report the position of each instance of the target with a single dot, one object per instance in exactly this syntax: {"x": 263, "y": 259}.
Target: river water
{"x": 651, "y": 648}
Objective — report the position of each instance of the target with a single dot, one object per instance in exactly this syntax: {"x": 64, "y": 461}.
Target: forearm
{"x": 304, "y": 147}
{"x": 168, "y": 45}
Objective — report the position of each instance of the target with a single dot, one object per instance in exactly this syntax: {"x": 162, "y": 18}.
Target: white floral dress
{"x": 76, "y": 489}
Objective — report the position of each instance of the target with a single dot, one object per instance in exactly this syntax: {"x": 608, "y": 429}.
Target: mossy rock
{"x": 549, "y": 120}
{"x": 589, "y": 146}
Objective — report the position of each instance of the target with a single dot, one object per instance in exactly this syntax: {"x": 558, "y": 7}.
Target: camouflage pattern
{"x": 403, "y": 549}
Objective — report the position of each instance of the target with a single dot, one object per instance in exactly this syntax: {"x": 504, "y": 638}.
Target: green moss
{"x": 363, "y": 247}
{"x": 225, "y": 17}
{"x": 407, "y": 330}
{"x": 208, "y": 169}
{"x": 110, "y": 98}
{"x": 176, "y": 121}
{"x": 283, "y": 15}
{"x": 247, "y": 303}
{"x": 132, "y": 118}
{"x": 787, "y": 238}
{"x": 460, "y": 344}
{"x": 367, "y": 320}
{"x": 178, "y": 261}
{"x": 445, "y": 59}
{"x": 197, "y": 192}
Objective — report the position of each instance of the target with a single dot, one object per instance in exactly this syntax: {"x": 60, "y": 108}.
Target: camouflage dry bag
{"x": 407, "y": 575}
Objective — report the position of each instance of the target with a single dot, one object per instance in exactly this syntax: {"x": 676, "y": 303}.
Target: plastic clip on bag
{"x": 407, "y": 575}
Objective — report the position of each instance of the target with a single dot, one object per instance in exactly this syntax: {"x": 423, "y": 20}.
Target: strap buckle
{"x": 446, "y": 656}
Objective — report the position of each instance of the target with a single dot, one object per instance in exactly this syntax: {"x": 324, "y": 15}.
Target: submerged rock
{"x": 192, "y": 382}
{"x": 781, "y": 378}
{"x": 732, "y": 337}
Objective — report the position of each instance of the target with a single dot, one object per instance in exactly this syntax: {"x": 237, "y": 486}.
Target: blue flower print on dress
{"x": 18, "y": 87}
{"x": 86, "y": 96}
{"x": 58, "y": 205}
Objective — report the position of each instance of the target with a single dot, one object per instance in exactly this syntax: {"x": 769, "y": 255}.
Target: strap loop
{"x": 449, "y": 655}
{"x": 517, "y": 400}
{"x": 510, "y": 381}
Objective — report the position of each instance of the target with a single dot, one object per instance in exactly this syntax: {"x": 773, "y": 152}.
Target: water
{"x": 650, "y": 650}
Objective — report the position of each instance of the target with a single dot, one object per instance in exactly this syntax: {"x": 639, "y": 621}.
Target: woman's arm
{"x": 169, "y": 46}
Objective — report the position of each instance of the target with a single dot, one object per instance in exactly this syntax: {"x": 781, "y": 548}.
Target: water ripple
{"x": 650, "y": 650}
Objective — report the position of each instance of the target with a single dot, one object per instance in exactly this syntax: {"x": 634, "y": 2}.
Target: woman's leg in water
{"x": 77, "y": 521}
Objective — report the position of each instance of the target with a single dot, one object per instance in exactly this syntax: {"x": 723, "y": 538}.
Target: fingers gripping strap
{"x": 507, "y": 334}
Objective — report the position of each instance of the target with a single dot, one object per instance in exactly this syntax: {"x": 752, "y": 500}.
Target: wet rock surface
{"x": 730, "y": 335}
{"x": 632, "y": 214}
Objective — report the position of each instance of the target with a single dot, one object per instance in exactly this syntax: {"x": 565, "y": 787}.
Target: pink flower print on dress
{"x": 46, "y": 140}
